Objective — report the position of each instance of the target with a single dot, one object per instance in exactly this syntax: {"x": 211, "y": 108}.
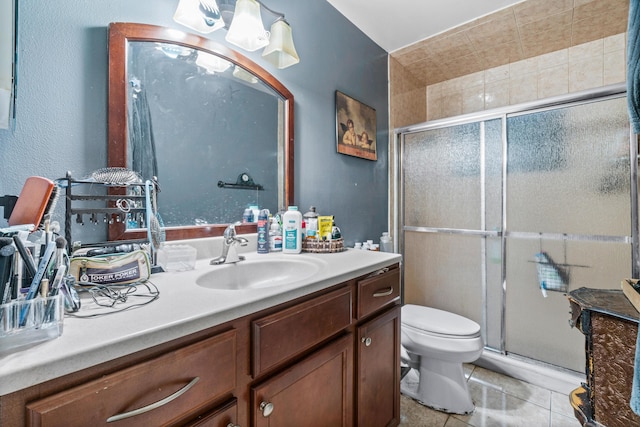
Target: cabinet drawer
{"x": 375, "y": 292}
{"x": 195, "y": 376}
{"x": 224, "y": 416}
{"x": 282, "y": 335}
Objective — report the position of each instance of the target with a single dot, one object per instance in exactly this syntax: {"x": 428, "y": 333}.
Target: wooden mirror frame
{"x": 122, "y": 33}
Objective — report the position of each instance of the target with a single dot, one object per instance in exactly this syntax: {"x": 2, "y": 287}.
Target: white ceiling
{"x": 394, "y": 24}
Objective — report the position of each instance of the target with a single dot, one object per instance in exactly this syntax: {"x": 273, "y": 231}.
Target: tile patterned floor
{"x": 500, "y": 401}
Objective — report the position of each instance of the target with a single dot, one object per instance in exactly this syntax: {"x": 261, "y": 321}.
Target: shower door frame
{"x": 503, "y": 113}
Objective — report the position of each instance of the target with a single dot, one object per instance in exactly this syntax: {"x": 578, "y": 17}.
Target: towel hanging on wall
{"x": 633, "y": 101}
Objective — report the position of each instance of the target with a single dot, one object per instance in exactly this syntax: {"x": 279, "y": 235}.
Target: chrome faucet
{"x": 229, "y": 247}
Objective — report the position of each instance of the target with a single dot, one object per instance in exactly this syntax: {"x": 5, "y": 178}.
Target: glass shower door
{"x": 568, "y": 221}
{"x": 502, "y": 216}
{"x": 452, "y": 193}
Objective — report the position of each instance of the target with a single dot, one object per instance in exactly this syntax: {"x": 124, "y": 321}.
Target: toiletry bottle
{"x": 256, "y": 211}
{"x": 386, "y": 243}
{"x": 292, "y": 231}
{"x": 335, "y": 231}
{"x": 247, "y": 216}
{"x": 311, "y": 221}
{"x": 275, "y": 236}
{"x": 263, "y": 231}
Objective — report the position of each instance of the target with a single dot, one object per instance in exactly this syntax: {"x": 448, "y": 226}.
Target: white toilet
{"x": 436, "y": 343}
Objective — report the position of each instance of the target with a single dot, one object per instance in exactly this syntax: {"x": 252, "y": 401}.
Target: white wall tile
{"x": 496, "y": 94}
{"x": 498, "y": 73}
{"x": 615, "y": 67}
{"x": 586, "y": 73}
{"x": 473, "y": 99}
{"x": 553, "y": 81}
{"x": 586, "y": 66}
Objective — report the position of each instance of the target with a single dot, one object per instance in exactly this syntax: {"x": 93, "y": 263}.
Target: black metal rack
{"x": 107, "y": 208}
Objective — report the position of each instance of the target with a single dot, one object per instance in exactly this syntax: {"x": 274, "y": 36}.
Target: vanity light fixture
{"x": 211, "y": 63}
{"x": 243, "y": 20}
{"x": 246, "y": 29}
{"x": 281, "y": 52}
{"x": 174, "y": 51}
{"x": 242, "y": 74}
{"x": 202, "y": 16}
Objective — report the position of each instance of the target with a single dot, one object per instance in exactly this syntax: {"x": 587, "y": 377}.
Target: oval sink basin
{"x": 258, "y": 274}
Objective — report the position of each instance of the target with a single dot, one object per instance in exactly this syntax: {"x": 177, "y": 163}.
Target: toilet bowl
{"x": 436, "y": 343}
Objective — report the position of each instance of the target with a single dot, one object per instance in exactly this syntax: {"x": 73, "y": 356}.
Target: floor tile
{"x": 512, "y": 386}
{"x": 558, "y": 420}
{"x": 500, "y": 401}
{"x": 497, "y": 408}
{"x": 454, "y": 422}
{"x": 413, "y": 414}
{"x": 561, "y": 405}
{"x": 468, "y": 369}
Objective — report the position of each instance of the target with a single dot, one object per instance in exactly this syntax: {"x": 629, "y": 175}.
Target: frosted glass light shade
{"x": 242, "y": 74}
{"x": 281, "y": 52}
{"x": 202, "y": 16}
{"x": 246, "y": 30}
{"x": 212, "y": 63}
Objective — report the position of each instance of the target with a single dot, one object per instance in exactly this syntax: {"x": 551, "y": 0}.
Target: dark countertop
{"x": 608, "y": 301}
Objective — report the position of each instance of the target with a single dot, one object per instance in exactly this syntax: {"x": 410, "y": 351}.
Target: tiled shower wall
{"x": 590, "y": 65}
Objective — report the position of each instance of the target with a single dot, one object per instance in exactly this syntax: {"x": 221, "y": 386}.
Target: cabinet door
{"x": 315, "y": 392}
{"x": 378, "y": 371}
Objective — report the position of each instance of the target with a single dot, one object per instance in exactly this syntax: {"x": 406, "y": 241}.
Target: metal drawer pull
{"x": 378, "y": 272}
{"x": 366, "y": 341}
{"x": 155, "y": 405}
{"x": 232, "y": 425}
{"x": 266, "y": 408}
{"x": 384, "y": 293}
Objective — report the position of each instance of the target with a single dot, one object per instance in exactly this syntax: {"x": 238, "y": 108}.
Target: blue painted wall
{"x": 62, "y": 101}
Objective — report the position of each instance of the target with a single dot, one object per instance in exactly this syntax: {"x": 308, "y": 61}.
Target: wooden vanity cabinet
{"x": 329, "y": 358}
{"x": 323, "y": 389}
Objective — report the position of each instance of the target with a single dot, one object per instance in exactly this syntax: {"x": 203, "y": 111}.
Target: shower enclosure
{"x": 500, "y": 214}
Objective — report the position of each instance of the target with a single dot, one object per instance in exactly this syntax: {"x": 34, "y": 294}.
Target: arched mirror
{"x": 214, "y": 127}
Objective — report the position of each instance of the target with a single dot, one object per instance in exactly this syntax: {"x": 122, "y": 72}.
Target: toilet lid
{"x": 437, "y": 321}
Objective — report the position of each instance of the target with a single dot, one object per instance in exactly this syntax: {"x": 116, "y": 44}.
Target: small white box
{"x": 177, "y": 257}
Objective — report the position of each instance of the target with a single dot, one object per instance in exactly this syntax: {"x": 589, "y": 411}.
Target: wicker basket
{"x": 323, "y": 246}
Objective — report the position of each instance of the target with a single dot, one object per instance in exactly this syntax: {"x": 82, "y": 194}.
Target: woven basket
{"x": 323, "y": 246}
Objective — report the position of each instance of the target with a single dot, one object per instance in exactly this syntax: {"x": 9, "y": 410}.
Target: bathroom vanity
{"x": 321, "y": 350}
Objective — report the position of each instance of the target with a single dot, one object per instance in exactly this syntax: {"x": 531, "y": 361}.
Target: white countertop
{"x": 182, "y": 309}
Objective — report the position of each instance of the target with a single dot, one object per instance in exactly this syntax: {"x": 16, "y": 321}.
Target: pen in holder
{"x": 35, "y": 284}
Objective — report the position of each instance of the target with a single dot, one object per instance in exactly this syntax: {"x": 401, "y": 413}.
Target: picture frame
{"x": 355, "y": 128}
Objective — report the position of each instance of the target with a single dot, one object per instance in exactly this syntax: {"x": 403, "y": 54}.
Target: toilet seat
{"x": 433, "y": 321}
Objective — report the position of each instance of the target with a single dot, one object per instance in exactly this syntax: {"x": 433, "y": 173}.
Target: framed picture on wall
{"x": 355, "y": 128}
